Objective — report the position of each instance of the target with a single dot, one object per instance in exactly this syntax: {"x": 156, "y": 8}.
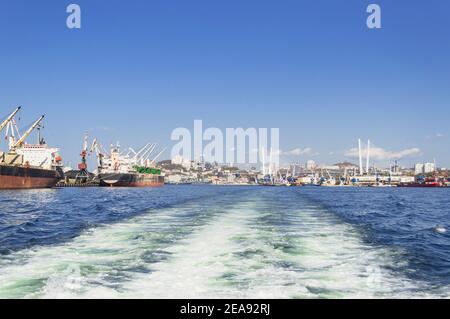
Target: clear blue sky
{"x": 138, "y": 69}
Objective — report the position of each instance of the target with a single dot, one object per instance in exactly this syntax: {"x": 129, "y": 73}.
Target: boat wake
{"x": 222, "y": 247}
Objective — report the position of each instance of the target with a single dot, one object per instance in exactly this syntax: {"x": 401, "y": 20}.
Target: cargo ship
{"x": 26, "y": 166}
{"x": 129, "y": 170}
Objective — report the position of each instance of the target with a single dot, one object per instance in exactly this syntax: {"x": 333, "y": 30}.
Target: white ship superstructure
{"x": 115, "y": 162}
{"x": 40, "y": 155}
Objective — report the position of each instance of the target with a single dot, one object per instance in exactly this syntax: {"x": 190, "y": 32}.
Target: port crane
{"x": 10, "y": 125}
{"x": 9, "y": 118}
{"x": 144, "y": 157}
{"x": 141, "y": 156}
{"x": 140, "y": 152}
{"x": 21, "y": 141}
{"x": 157, "y": 156}
{"x": 82, "y": 174}
{"x": 97, "y": 148}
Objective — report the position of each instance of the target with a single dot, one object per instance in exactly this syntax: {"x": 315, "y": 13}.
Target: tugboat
{"x": 26, "y": 166}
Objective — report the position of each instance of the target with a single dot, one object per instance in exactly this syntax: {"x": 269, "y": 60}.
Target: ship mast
{"x": 27, "y": 133}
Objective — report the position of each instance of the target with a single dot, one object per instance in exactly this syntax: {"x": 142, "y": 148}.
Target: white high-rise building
{"x": 429, "y": 168}
{"x": 418, "y": 169}
{"x": 179, "y": 160}
{"x": 425, "y": 168}
{"x": 311, "y": 164}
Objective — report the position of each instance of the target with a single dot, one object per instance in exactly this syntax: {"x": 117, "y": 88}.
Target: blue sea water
{"x": 225, "y": 242}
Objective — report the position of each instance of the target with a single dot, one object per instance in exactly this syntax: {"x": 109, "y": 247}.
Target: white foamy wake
{"x": 235, "y": 257}
{"x": 98, "y": 260}
{"x": 246, "y": 251}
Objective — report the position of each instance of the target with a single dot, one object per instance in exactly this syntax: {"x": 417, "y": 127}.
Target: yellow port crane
{"x": 20, "y": 142}
{"x": 9, "y": 118}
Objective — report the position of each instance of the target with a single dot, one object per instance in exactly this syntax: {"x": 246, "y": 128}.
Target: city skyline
{"x": 133, "y": 73}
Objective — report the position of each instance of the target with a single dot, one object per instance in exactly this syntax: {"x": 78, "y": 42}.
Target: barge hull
{"x": 131, "y": 180}
{"x": 20, "y": 177}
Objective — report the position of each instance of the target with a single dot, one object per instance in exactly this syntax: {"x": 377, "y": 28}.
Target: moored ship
{"x": 26, "y": 166}
{"x": 429, "y": 182}
{"x": 117, "y": 170}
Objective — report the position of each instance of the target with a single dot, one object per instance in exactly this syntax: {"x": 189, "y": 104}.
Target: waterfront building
{"x": 425, "y": 168}
{"x": 310, "y": 165}
{"x": 429, "y": 168}
{"x": 418, "y": 169}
